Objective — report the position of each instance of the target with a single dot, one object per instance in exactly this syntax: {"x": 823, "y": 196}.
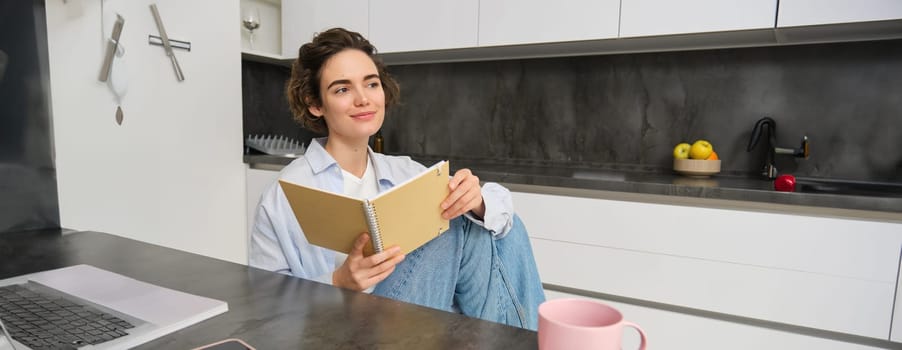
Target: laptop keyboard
{"x": 44, "y": 321}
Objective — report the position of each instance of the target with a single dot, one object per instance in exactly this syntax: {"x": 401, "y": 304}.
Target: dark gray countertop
{"x": 266, "y": 309}
{"x": 639, "y": 180}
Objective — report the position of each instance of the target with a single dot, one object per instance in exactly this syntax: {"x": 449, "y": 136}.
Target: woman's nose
{"x": 361, "y": 99}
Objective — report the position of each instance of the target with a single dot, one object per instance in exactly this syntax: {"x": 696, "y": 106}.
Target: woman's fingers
{"x": 462, "y": 204}
{"x": 459, "y": 177}
{"x": 454, "y": 186}
{"x": 383, "y": 270}
{"x": 378, "y": 258}
{"x": 357, "y": 249}
{"x": 465, "y": 194}
{"x": 366, "y": 271}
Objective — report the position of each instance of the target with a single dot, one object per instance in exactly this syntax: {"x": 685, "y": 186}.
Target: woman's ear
{"x": 315, "y": 110}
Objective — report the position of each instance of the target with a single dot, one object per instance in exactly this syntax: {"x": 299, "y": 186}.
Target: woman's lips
{"x": 364, "y": 115}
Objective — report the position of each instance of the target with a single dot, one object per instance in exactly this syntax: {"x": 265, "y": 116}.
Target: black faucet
{"x": 770, "y": 170}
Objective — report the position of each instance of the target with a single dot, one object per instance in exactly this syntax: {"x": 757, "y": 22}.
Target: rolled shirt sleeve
{"x": 499, "y": 210}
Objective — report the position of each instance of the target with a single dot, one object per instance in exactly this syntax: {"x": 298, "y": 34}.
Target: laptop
{"x": 57, "y": 309}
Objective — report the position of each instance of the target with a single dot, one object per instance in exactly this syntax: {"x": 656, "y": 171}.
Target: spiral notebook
{"x": 407, "y": 215}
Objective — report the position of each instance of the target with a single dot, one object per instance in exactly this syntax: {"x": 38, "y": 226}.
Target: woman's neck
{"x": 351, "y": 156}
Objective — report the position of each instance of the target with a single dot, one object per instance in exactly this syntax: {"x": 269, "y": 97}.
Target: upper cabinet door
{"x": 302, "y": 19}
{"x": 812, "y": 12}
{"x": 664, "y": 17}
{"x": 414, "y": 25}
{"x": 510, "y": 22}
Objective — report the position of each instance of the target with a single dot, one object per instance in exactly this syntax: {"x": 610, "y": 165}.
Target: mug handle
{"x": 641, "y": 333}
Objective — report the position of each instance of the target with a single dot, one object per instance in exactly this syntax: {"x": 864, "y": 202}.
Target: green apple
{"x": 701, "y": 149}
{"x": 681, "y": 151}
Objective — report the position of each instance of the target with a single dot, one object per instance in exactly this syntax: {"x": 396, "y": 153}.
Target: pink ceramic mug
{"x": 571, "y": 324}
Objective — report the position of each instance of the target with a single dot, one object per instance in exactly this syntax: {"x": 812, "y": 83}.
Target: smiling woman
{"x": 351, "y": 88}
{"x": 304, "y": 86}
{"x": 482, "y": 265}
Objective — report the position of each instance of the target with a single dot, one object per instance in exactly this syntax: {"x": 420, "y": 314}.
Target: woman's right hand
{"x": 361, "y": 272}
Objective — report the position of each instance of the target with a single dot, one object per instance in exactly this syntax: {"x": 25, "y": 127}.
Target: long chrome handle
{"x": 166, "y": 45}
{"x": 178, "y": 70}
{"x": 111, "y": 46}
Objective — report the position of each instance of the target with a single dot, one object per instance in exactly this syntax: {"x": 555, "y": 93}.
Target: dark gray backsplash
{"x": 632, "y": 109}
{"x": 28, "y": 192}
{"x": 265, "y": 108}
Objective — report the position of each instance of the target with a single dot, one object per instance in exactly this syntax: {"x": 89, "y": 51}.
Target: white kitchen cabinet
{"x": 896, "y": 331}
{"x": 673, "y": 330}
{"x": 416, "y": 25}
{"x": 511, "y": 22}
{"x": 827, "y": 273}
{"x": 813, "y": 12}
{"x": 664, "y": 17}
{"x": 302, "y": 19}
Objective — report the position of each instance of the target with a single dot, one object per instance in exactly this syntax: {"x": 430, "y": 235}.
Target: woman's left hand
{"x": 466, "y": 195}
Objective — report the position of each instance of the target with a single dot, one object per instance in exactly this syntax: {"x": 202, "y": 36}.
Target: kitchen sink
{"x": 848, "y": 187}
{"x": 600, "y": 175}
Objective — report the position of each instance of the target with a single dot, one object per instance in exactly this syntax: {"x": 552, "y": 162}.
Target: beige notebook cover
{"x": 407, "y": 215}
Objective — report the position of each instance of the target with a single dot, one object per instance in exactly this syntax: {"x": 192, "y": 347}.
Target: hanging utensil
{"x": 112, "y": 46}
{"x": 166, "y": 45}
{"x": 119, "y": 115}
{"x": 118, "y": 82}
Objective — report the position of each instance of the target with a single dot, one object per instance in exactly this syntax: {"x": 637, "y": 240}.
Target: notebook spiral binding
{"x": 373, "y": 223}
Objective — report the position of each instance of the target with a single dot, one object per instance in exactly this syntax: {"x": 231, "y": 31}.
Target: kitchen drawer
{"x": 834, "y": 303}
{"x": 859, "y": 249}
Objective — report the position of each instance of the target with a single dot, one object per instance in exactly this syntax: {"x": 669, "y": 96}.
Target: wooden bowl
{"x": 696, "y": 167}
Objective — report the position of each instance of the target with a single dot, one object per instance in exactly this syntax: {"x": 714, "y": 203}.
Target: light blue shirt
{"x": 278, "y": 243}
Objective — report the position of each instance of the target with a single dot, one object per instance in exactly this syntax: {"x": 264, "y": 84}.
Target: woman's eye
{"x": 374, "y": 84}
{"x": 341, "y": 90}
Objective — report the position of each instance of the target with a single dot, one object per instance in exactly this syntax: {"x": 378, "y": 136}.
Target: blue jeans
{"x": 492, "y": 279}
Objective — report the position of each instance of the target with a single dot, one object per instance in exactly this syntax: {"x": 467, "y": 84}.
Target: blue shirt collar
{"x": 317, "y": 157}
{"x": 321, "y": 161}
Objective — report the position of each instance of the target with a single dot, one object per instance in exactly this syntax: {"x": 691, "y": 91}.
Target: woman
{"x": 482, "y": 266}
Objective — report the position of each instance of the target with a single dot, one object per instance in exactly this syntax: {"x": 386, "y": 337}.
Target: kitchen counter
{"x": 630, "y": 182}
{"x": 268, "y": 310}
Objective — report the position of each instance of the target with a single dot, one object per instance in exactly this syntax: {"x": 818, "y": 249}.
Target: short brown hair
{"x": 303, "y": 87}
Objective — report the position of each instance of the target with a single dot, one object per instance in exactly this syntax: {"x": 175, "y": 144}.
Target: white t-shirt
{"x": 363, "y": 187}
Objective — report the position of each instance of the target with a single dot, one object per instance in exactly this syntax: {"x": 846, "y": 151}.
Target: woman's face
{"x": 352, "y": 96}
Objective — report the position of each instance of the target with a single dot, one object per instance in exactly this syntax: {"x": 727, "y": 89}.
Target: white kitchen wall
{"x": 172, "y": 173}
